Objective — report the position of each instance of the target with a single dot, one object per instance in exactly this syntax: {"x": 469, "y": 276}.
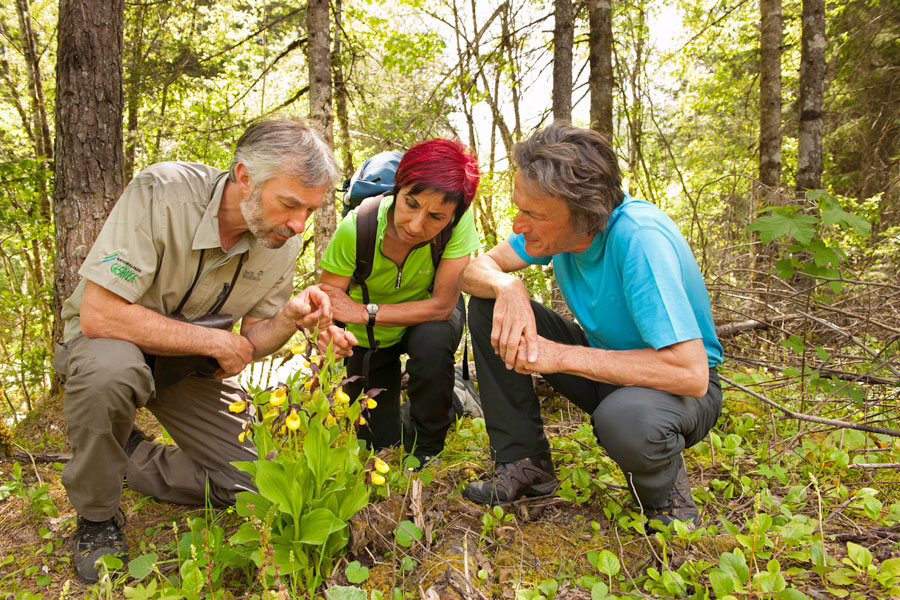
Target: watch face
{"x": 372, "y": 308}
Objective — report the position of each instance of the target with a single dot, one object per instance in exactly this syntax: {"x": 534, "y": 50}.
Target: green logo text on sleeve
{"x": 120, "y": 267}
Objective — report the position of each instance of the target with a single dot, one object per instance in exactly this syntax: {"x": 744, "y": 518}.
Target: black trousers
{"x": 644, "y": 430}
{"x": 431, "y": 348}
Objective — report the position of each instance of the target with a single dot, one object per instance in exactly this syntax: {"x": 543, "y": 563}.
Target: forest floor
{"x": 773, "y": 490}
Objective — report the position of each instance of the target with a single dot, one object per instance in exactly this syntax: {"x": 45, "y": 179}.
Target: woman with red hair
{"x": 434, "y": 186}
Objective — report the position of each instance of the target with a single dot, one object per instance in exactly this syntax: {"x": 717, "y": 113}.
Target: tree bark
{"x": 563, "y": 40}
{"x": 89, "y": 159}
{"x": 320, "y": 96}
{"x": 600, "y": 56}
{"x": 812, "y": 92}
{"x": 340, "y": 91}
{"x": 770, "y": 101}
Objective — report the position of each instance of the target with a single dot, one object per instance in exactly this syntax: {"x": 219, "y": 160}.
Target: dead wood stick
{"x": 732, "y": 329}
{"x": 842, "y": 375}
{"x": 853, "y": 339}
{"x": 874, "y": 466}
{"x": 803, "y": 417}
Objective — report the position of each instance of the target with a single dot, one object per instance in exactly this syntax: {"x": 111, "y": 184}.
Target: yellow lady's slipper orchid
{"x": 381, "y": 466}
{"x": 241, "y": 436}
{"x": 272, "y": 412}
{"x": 341, "y": 396}
{"x": 330, "y": 420}
{"x": 279, "y": 395}
{"x": 362, "y": 420}
{"x": 370, "y": 403}
{"x": 308, "y": 384}
{"x": 298, "y": 348}
{"x": 293, "y": 421}
{"x": 377, "y": 478}
{"x": 238, "y": 406}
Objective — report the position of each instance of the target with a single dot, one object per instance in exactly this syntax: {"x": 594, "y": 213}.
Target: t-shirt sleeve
{"x": 655, "y": 293}
{"x": 464, "y": 239}
{"x": 517, "y": 241}
{"x": 125, "y": 256}
{"x": 340, "y": 254}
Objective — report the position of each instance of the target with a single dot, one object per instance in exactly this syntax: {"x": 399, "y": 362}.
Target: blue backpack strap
{"x": 375, "y": 176}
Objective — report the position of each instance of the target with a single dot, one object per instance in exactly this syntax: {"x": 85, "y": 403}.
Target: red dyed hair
{"x": 442, "y": 165}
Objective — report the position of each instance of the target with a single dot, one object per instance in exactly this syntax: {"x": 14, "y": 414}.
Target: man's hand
{"x": 310, "y": 308}
{"x": 514, "y": 333}
{"x": 233, "y": 352}
{"x": 548, "y": 359}
{"x": 342, "y": 340}
{"x": 344, "y": 307}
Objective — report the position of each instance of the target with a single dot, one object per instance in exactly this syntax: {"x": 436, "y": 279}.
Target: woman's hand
{"x": 344, "y": 308}
{"x": 342, "y": 340}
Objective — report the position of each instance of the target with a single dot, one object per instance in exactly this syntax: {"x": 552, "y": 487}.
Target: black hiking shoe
{"x": 94, "y": 539}
{"x": 679, "y": 506}
{"x": 134, "y": 440}
{"x": 529, "y": 477}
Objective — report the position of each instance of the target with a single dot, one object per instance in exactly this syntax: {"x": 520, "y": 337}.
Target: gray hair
{"x": 285, "y": 146}
{"x": 577, "y": 165}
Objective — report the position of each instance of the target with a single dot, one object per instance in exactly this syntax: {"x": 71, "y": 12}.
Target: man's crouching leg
{"x": 645, "y": 431}
{"x": 105, "y": 382}
{"x": 195, "y": 413}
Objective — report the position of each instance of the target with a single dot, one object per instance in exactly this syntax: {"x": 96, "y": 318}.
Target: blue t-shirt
{"x": 637, "y": 285}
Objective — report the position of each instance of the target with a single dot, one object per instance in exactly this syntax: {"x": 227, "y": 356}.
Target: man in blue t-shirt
{"x": 641, "y": 358}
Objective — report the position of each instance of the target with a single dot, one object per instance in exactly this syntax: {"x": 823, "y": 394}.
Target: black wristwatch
{"x": 372, "y": 309}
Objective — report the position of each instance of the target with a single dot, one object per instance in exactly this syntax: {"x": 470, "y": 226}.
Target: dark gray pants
{"x": 431, "y": 348}
{"x": 644, "y": 430}
{"x": 106, "y": 381}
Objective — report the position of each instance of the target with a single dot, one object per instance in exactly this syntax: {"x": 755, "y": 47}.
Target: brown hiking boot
{"x": 528, "y": 477}
{"x": 679, "y": 506}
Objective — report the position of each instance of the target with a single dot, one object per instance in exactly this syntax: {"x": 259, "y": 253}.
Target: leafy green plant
{"x": 312, "y": 475}
{"x": 37, "y": 497}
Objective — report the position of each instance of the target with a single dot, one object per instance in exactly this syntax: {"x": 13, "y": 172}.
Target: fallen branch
{"x": 804, "y": 417}
{"x": 732, "y": 329}
{"x": 875, "y": 466}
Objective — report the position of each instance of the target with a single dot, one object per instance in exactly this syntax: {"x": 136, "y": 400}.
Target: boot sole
{"x": 535, "y": 491}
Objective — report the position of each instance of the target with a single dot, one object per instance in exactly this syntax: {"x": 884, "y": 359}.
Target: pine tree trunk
{"x": 563, "y": 39}
{"x": 600, "y": 56}
{"x": 320, "y": 113}
{"x": 88, "y": 161}
{"x": 812, "y": 91}
{"x": 770, "y": 101}
{"x": 340, "y": 92}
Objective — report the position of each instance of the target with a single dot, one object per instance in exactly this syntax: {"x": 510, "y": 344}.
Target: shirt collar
{"x": 207, "y": 233}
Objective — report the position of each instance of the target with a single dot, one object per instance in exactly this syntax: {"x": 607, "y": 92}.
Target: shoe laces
{"x": 99, "y": 534}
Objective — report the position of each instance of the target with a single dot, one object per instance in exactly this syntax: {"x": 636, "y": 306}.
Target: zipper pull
{"x": 399, "y": 275}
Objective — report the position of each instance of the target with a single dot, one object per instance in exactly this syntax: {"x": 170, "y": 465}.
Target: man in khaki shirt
{"x": 189, "y": 239}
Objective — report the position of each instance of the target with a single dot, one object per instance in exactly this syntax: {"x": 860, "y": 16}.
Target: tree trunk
{"x": 768, "y": 190}
{"x": 340, "y": 91}
{"x": 770, "y": 101}
{"x": 88, "y": 164}
{"x": 134, "y": 80}
{"x": 43, "y": 142}
{"x": 600, "y": 55}
{"x": 563, "y": 40}
{"x": 318, "y": 26}
{"x": 812, "y": 91}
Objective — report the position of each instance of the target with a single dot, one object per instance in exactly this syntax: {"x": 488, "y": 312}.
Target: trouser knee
{"x": 639, "y": 440}
{"x": 481, "y": 315}
{"x": 107, "y": 381}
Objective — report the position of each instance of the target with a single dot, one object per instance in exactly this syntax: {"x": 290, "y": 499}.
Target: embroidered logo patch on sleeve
{"x": 120, "y": 267}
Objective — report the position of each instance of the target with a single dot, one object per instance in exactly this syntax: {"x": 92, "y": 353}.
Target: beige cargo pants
{"x": 106, "y": 380}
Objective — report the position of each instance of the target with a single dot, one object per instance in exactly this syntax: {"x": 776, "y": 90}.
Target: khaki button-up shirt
{"x": 148, "y": 251}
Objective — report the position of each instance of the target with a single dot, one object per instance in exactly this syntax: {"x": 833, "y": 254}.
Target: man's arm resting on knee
{"x": 105, "y": 314}
{"x": 681, "y": 369}
{"x": 513, "y": 330}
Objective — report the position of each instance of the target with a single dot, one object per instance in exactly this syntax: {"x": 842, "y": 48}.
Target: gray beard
{"x": 251, "y": 210}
